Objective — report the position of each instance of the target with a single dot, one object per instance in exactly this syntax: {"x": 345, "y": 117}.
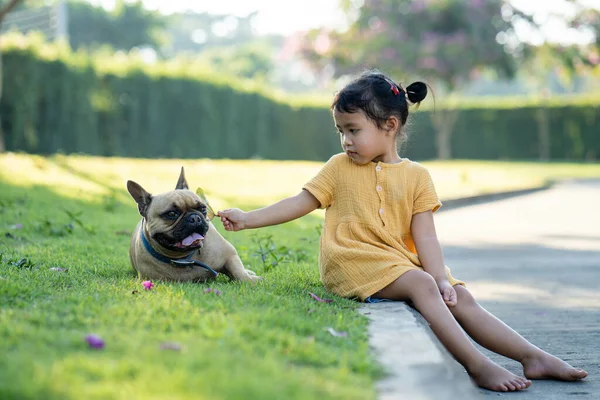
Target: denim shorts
{"x": 376, "y": 300}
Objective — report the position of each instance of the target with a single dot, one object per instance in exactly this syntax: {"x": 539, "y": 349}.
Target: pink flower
{"x": 94, "y": 341}
{"x": 320, "y": 300}
{"x": 148, "y": 285}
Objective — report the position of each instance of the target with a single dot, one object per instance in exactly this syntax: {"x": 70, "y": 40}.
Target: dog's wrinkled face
{"x": 176, "y": 220}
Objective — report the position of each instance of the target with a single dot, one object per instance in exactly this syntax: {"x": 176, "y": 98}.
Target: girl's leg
{"x": 498, "y": 337}
{"x": 420, "y": 288}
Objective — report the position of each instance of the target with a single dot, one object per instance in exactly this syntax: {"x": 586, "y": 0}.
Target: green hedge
{"x": 58, "y": 101}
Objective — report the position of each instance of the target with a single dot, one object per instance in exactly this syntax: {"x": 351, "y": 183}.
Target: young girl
{"x": 379, "y": 239}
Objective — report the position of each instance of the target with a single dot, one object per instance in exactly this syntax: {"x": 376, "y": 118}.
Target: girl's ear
{"x": 393, "y": 124}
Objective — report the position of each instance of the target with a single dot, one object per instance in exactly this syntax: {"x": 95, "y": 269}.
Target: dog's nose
{"x": 194, "y": 219}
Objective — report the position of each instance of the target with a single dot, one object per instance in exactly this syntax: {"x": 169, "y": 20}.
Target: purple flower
{"x": 148, "y": 285}
{"x": 211, "y": 290}
{"x": 94, "y": 341}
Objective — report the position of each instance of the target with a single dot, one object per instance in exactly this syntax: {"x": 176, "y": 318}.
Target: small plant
{"x": 272, "y": 255}
{"x": 24, "y": 263}
{"x": 75, "y": 218}
{"x": 51, "y": 228}
{"x": 318, "y": 229}
{"x": 269, "y": 254}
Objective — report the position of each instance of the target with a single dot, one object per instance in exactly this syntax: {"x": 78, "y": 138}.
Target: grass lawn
{"x": 271, "y": 340}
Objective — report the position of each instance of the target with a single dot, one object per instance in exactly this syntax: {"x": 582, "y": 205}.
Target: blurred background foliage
{"x": 114, "y": 75}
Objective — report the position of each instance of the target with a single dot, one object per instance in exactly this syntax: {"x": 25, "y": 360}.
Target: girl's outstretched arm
{"x": 285, "y": 210}
{"x": 430, "y": 253}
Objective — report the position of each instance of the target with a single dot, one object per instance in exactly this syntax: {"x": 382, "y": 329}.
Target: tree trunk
{"x": 543, "y": 134}
{"x": 444, "y": 121}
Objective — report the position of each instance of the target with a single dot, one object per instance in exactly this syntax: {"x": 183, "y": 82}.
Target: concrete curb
{"x": 418, "y": 366}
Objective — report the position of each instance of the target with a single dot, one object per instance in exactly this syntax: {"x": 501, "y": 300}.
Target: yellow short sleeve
{"x": 322, "y": 186}
{"x": 425, "y": 197}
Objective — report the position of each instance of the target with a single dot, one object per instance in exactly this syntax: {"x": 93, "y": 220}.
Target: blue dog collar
{"x": 176, "y": 262}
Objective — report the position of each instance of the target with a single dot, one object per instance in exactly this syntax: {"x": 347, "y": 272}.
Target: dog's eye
{"x": 173, "y": 214}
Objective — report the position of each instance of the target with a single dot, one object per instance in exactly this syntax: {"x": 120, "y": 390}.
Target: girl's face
{"x": 363, "y": 141}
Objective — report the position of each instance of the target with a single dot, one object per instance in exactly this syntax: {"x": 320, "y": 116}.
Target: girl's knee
{"x": 465, "y": 303}
{"x": 414, "y": 284}
{"x": 464, "y": 296}
{"x": 421, "y": 283}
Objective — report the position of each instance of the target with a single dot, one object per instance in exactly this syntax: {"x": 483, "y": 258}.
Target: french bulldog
{"x": 175, "y": 240}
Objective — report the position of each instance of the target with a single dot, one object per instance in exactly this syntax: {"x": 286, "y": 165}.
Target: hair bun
{"x": 416, "y": 92}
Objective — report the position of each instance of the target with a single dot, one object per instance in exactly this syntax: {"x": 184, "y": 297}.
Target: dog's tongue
{"x": 190, "y": 240}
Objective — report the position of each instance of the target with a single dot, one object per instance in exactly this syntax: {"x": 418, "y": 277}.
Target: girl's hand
{"x": 233, "y": 219}
{"x": 448, "y": 293}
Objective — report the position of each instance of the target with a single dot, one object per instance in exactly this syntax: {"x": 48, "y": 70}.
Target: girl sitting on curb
{"x": 379, "y": 239}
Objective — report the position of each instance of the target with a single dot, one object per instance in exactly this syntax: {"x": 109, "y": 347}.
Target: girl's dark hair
{"x": 379, "y": 97}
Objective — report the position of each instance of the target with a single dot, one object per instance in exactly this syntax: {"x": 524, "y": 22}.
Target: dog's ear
{"x": 182, "y": 183}
{"x": 141, "y": 197}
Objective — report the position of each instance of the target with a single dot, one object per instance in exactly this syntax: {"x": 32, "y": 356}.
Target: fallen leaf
{"x": 123, "y": 232}
{"x": 170, "y": 346}
{"x": 94, "y": 341}
{"x": 317, "y": 298}
{"x": 134, "y": 292}
{"x": 58, "y": 269}
{"x": 148, "y": 285}
{"x": 337, "y": 333}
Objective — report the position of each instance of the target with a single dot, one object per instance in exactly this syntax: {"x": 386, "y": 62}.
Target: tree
{"x": 440, "y": 41}
{"x": 4, "y": 10}
{"x": 129, "y": 25}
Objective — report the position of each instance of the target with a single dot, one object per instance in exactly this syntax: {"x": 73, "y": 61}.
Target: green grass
{"x": 263, "y": 341}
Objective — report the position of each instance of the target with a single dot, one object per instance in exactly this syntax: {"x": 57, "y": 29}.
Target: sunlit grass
{"x": 264, "y": 341}
{"x": 227, "y": 182}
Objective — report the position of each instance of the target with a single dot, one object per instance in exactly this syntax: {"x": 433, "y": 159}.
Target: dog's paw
{"x": 254, "y": 278}
{"x": 249, "y": 272}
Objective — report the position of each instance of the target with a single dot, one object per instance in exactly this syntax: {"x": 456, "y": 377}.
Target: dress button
{"x": 381, "y": 211}
{"x": 378, "y": 168}
{"x": 379, "y": 188}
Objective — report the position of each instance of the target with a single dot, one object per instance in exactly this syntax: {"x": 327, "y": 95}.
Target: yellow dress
{"x": 366, "y": 242}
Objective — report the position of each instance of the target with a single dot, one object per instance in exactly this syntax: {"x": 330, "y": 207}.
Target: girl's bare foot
{"x": 490, "y": 375}
{"x": 545, "y": 366}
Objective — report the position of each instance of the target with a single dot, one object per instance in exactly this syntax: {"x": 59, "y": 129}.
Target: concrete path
{"x": 534, "y": 262}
